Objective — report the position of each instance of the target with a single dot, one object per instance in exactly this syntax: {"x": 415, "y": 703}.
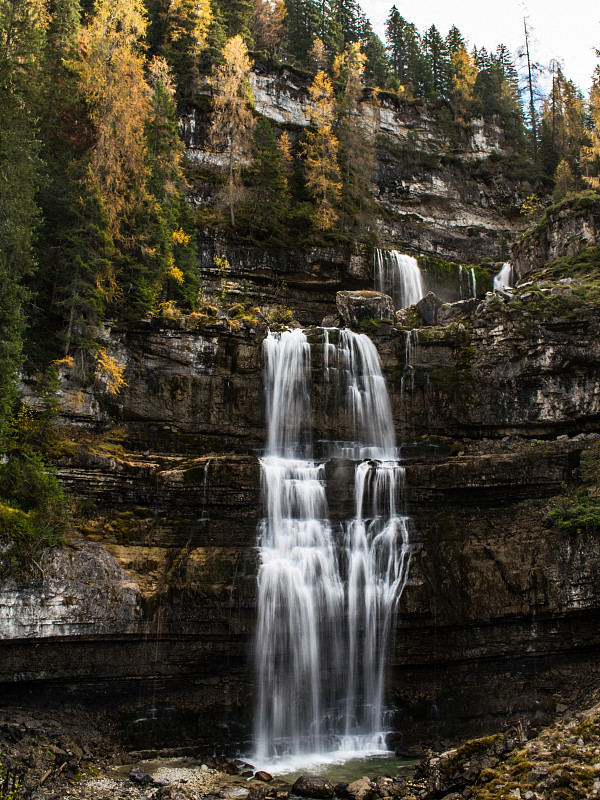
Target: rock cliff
{"x": 151, "y": 609}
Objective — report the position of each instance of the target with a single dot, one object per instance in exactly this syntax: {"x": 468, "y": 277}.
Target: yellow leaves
{"x": 317, "y": 56}
{"x": 112, "y": 79}
{"x": 590, "y": 154}
{"x": 232, "y": 120}
{"x": 285, "y": 148}
{"x": 465, "y": 73}
{"x": 109, "y": 371}
{"x": 183, "y": 17}
{"x": 320, "y": 148}
{"x": 180, "y": 237}
{"x": 160, "y": 74}
{"x": 174, "y": 272}
{"x": 532, "y": 206}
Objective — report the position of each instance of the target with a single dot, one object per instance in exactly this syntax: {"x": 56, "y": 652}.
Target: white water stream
{"x": 504, "y": 277}
{"x": 399, "y": 276}
{"x": 327, "y": 594}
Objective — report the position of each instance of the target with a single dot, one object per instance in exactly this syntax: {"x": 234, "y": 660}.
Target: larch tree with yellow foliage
{"x": 590, "y": 154}
{"x": 464, "y": 74}
{"x": 233, "y": 119}
{"x": 112, "y": 79}
{"x": 320, "y": 149}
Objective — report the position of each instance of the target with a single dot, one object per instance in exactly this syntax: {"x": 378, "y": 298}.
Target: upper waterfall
{"x": 504, "y": 277}
{"x": 399, "y": 276}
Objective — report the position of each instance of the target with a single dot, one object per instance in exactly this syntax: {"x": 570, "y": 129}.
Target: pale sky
{"x": 568, "y": 31}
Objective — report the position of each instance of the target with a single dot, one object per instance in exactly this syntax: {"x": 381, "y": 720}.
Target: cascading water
{"x": 327, "y": 597}
{"x": 504, "y": 277}
{"x": 399, "y": 276}
{"x": 467, "y": 273}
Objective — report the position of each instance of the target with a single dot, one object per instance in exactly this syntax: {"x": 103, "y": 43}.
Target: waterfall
{"x": 408, "y": 373}
{"x": 471, "y": 279}
{"x": 326, "y": 596}
{"x": 504, "y": 277}
{"x": 399, "y": 276}
{"x": 473, "y": 282}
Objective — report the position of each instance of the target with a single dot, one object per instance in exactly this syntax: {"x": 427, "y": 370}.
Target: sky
{"x": 567, "y": 31}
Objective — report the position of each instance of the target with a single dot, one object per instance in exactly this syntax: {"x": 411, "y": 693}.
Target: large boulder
{"x": 357, "y": 307}
{"x": 429, "y": 307}
{"x": 308, "y": 786}
{"x": 455, "y": 769}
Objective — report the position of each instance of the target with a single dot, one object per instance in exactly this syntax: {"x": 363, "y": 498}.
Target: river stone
{"x": 358, "y": 789}
{"x": 355, "y": 307}
{"x": 139, "y": 776}
{"x": 235, "y": 793}
{"x": 261, "y": 775}
{"x": 308, "y": 786}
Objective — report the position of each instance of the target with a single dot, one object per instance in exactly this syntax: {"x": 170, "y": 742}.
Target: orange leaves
{"x": 320, "y": 148}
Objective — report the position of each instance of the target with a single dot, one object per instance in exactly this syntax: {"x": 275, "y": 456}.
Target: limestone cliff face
{"x": 493, "y": 411}
{"x": 565, "y": 230}
{"x": 160, "y": 583}
{"x": 441, "y": 189}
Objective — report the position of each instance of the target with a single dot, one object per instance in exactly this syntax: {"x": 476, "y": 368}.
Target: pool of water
{"x": 339, "y": 768}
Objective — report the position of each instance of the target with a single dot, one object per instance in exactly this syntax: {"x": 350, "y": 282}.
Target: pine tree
{"x": 564, "y": 182}
{"x": 237, "y": 17}
{"x": 404, "y": 53}
{"x": 348, "y": 15}
{"x": 174, "y": 264}
{"x": 178, "y": 31}
{"x": 302, "y": 24}
{"x": 22, "y": 32}
{"x": 270, "y": 194}
{"x": 320, "y": 148}
{"x": 232, "y": 121}
{"x": 437, "y": 59}
{"x": 377, "y": 70}
{"x": 357, "y": 149}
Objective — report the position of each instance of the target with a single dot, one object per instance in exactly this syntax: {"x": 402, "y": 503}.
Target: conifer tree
{"x": 590, "y": 154}
{"x": 564, "y": 181}
{"x": 112, "y": 78}
{"x": 173, "y": 266}
{"x": 22, "y": 32}
{"x": 268, "y": 19}
{"x": 320, "y": 148}
{"x": 357, "y": 150}
{"x": 178, "y": 31}
{"x": 270, "y": 193}
{"x": 237, "y": 17}
{"x": 436, "y": 57}
{"x": 464, "y": 76}
{"x": 232, "y": 121}
{"x": 404, "y": 53}
{"x": 302, "y": 24}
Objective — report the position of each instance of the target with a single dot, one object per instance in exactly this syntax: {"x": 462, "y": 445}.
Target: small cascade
{"x": 504, "y": 277}
{"x": 408, "y": 373}
{"x": 467, "y": 275}
{"x": 399, "y": 276}
{"x": 473, "y": 283}
{"x": 327, "y": 597}
{"x": 205, "y": 517}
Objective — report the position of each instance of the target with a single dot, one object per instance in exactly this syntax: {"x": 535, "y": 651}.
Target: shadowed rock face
{"x": 160, "y": 584}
